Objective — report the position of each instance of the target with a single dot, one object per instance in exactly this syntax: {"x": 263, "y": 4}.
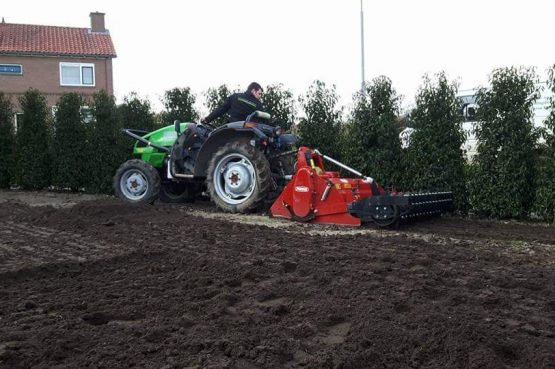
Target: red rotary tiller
{"x": 315, "y": 195}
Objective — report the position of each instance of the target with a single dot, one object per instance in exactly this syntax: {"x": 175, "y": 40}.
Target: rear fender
{"x": 219, "y": 139}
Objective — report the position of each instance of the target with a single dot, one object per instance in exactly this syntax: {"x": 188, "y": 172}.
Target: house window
{"x": 17, "y": 120}
{"x": 77, "y": 74}
{"x": 11, "y": 69}
{"x": 85, "y": 111}
{"x": 87, "y": 114}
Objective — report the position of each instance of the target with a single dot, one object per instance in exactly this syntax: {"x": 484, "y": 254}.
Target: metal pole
{"x": 362, "y": 89}
{"x": 347, "y": 168}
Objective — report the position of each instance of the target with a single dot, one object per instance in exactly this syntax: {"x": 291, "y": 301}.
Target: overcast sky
{"x": 201, "y": 44}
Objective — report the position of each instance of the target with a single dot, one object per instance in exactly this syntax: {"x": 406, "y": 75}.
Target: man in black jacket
{"x": 239, "y": 105}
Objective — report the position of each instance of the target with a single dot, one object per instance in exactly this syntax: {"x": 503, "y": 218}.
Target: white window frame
{"x": 16, "y": 120}
{"x": 85, "y": 111}
{"x": 86, "y": 114}
{"x": 81, "y": 66}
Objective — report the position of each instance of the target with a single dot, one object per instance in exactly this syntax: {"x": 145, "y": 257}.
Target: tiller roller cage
{"x": 318, "y": 196}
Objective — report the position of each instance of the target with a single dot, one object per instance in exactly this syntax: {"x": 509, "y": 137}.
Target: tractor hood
{"x": 165, "y": 136}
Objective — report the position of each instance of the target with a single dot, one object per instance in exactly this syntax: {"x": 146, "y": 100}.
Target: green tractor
{"x": 242, "y": 165}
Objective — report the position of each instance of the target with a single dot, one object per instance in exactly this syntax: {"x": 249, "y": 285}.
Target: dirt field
{"x": 93, "y": 283}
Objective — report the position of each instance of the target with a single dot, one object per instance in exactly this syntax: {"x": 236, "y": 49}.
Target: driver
{"x": 239, "y": 105}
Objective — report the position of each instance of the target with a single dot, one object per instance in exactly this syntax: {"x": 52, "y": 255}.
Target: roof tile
{"x": 52, "y": 40}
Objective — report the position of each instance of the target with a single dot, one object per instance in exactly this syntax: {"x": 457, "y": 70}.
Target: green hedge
{"x": 136, "y": 113}
{"x": 280, "y": 103}
{"x": 512, "y": 175}
{"x": 502, "y": 182}
{"x": 179, "y": 104}
{"x": 371, "y": 138}
{"x": 107, "y": 145}
{"x": 69, "y": 167}
{"x": 544, "y": 205}
{"x": 33, "y": 137}
{"x": 7, "y": 142}
{"x": 214, "y": 98}
{"x": 320, "y": 127}
{"x": 434, "y": 161}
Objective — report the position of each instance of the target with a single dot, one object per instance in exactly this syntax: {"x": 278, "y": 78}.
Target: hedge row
{"x": 60, "y": 151}
{"x": 512, "y": 175}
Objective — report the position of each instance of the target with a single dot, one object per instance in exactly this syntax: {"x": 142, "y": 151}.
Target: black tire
{"x": 244, "y": 166}
{"x": 388, "y": 217}
{"x": 173, "y": 192}
{"x": 137, "y": 182}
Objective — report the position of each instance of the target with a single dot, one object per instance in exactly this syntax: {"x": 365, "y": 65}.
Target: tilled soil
{"x": 105, "y": 285}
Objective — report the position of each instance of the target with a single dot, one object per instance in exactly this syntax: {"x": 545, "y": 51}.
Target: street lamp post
{"x": 362, "y": 89}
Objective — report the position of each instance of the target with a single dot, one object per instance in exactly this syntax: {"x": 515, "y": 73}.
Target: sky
{"x": 206, "y": 43}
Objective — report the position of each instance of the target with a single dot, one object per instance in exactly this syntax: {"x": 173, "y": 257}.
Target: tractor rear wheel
{"x": 238, "y": 178}
{"x": 137, "y": 182}
{"x": 174, "y": 192}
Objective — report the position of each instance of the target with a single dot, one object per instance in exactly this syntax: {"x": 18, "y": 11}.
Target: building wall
{"x": 43, "y": 74}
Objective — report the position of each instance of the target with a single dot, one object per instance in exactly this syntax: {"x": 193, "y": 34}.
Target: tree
{"x": 502, "y": 180}
{"x": 280, "y": 103}
{"x": 179, "y": 104}
{"x": 320, "y": 128}
{"x": 33, "y": 156}
{"x": 371, "y": 142}
{"x": 136, "y": 113}
{"x": 434, "y": 160}
{"x": 216, "y": 97}
{"x": 108, "y": 149}
{"x": 544, "y": 205}
{"x": 69, "y": 144}
{"x": 7, "y": 142}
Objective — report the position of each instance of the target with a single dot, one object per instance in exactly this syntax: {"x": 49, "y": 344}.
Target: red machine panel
{"x": 316, "y": 196}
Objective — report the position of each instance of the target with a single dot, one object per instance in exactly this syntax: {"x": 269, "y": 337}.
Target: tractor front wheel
{"x": 137, "y": 182}
{"x": 238, "y": 178}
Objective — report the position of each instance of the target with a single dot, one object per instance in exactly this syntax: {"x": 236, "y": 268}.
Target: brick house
{"x": 55, "y": 60}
